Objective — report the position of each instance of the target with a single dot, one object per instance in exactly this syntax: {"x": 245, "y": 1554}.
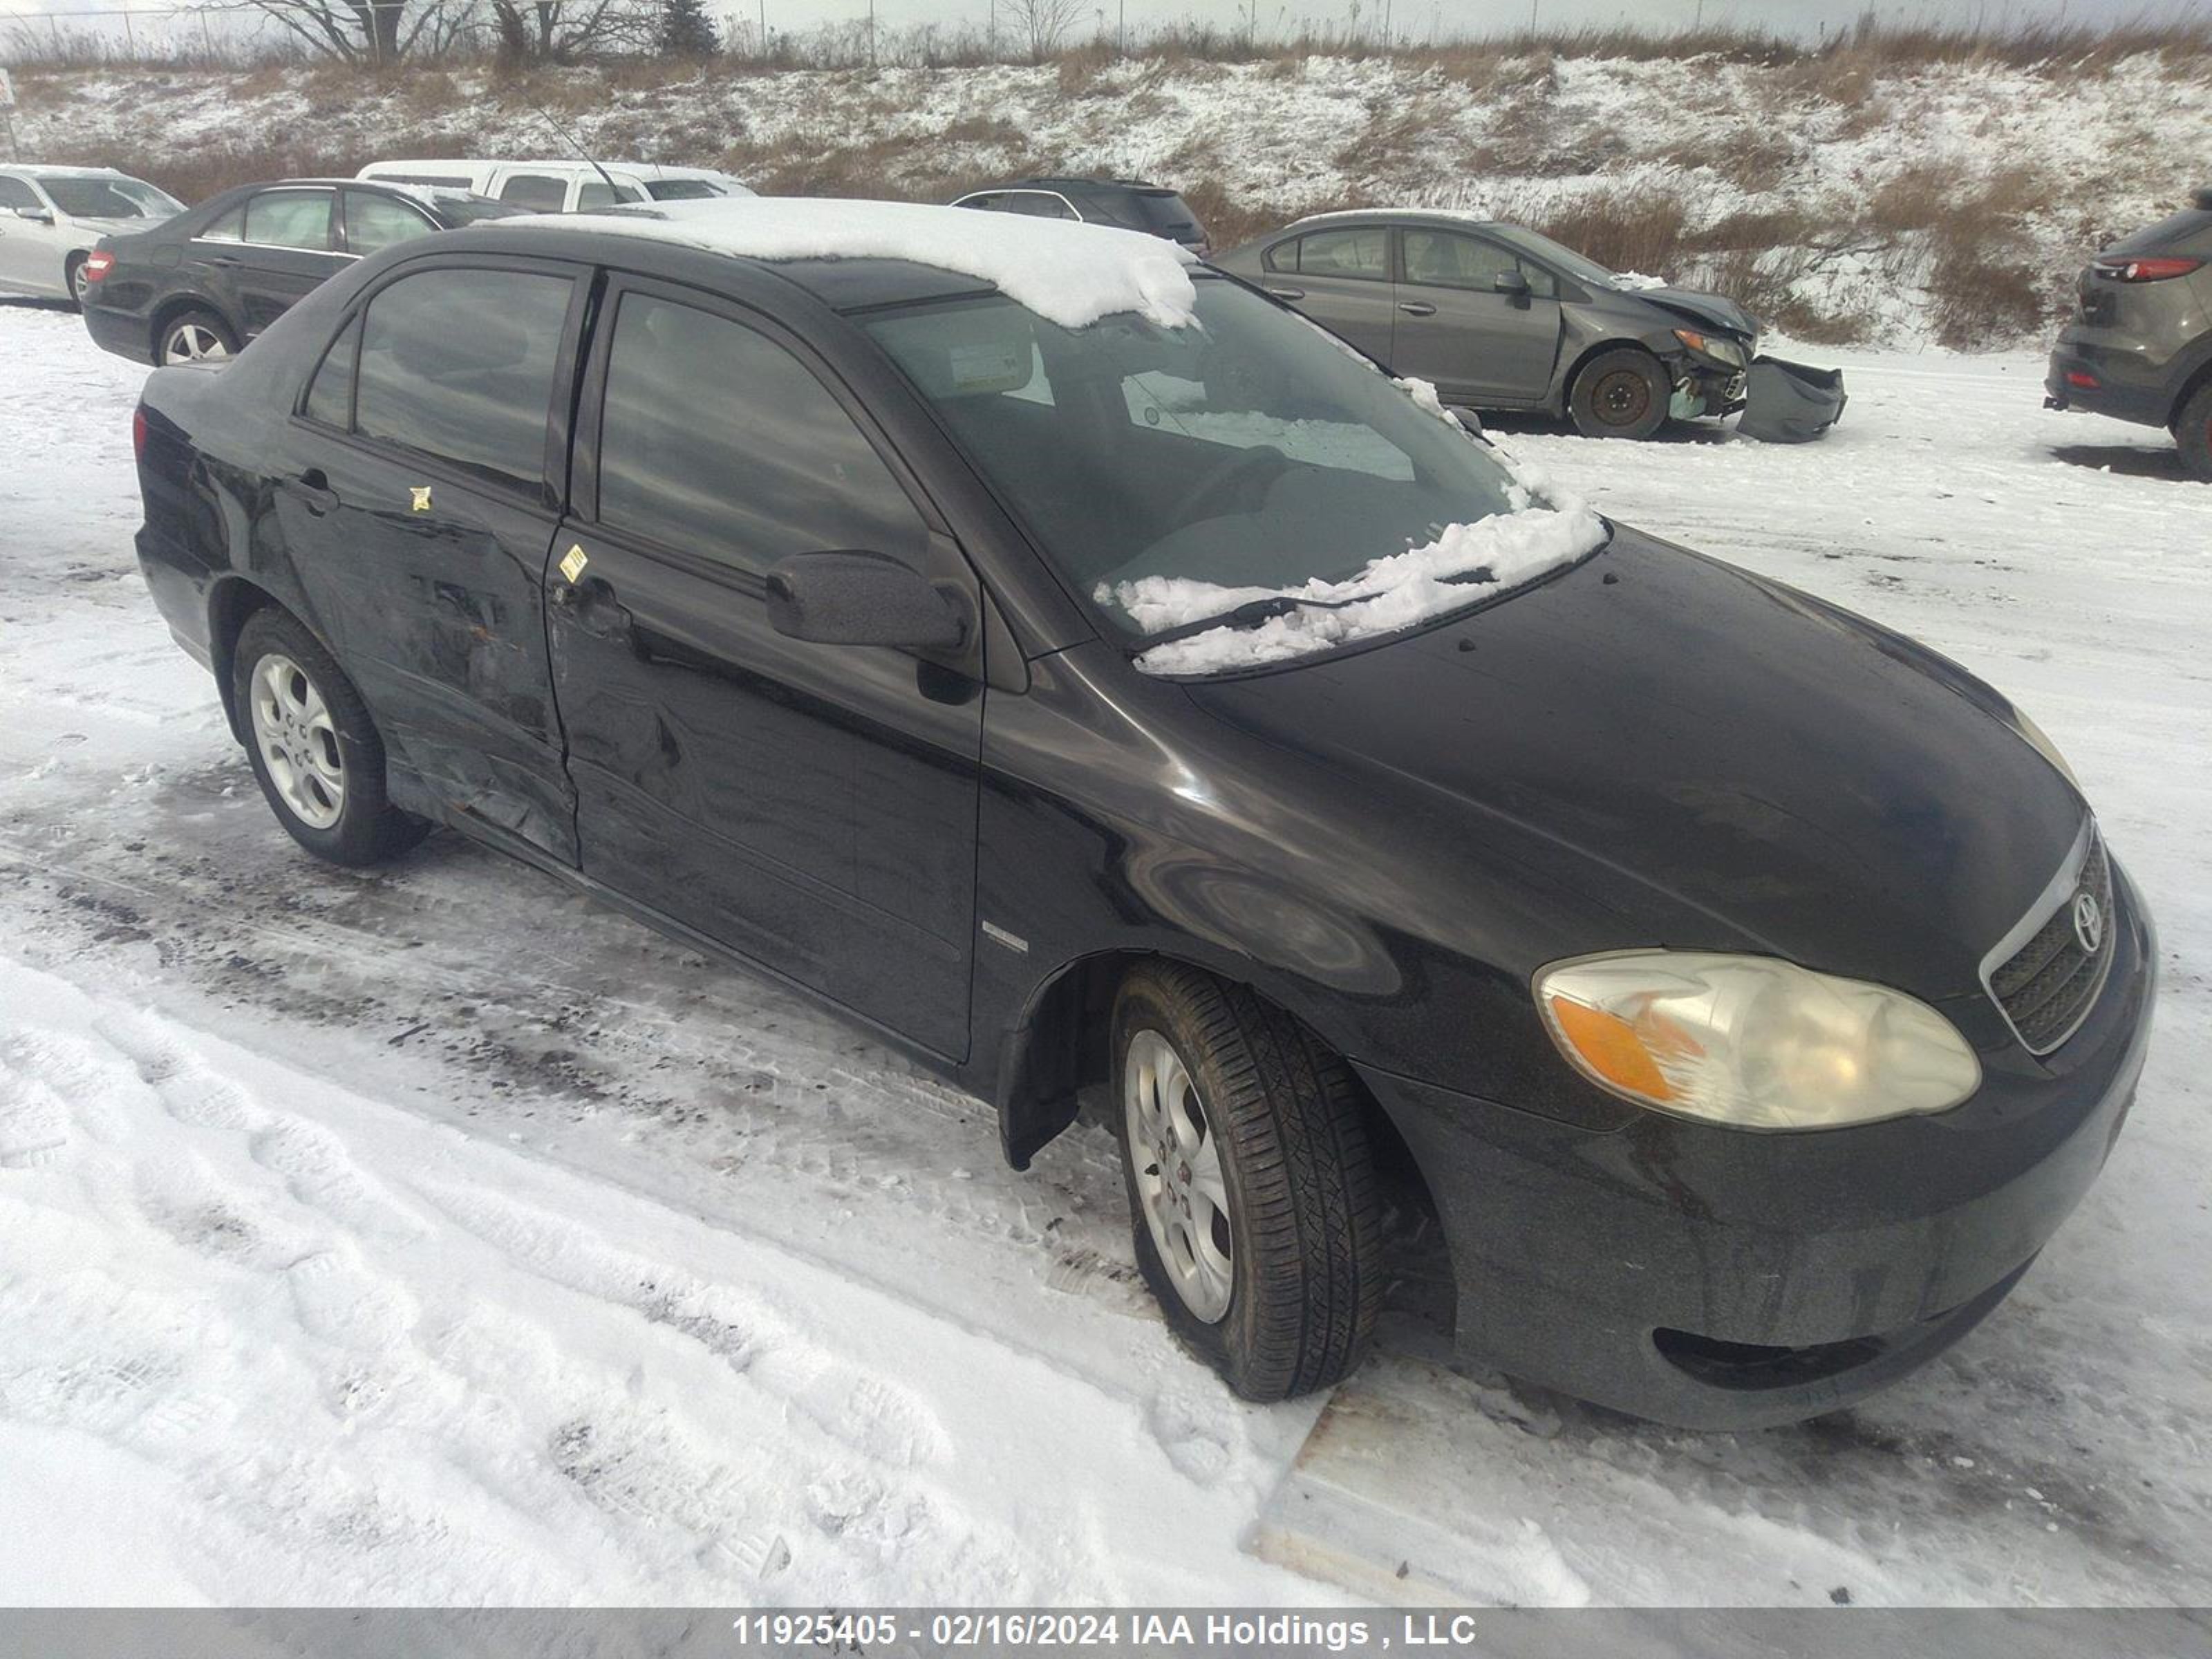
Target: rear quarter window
{"x": 458, "y": 364}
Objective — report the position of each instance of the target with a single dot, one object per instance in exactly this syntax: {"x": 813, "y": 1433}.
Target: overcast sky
{"x": 1412, "y": 18}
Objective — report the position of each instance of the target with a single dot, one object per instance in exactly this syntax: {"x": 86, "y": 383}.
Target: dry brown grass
{"x": 1624, "y": 228}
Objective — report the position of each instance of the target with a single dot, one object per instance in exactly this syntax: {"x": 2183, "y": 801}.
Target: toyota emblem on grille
{"x": 2088, "y": 922}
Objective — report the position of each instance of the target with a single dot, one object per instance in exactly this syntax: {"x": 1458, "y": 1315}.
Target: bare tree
{"x": 561, "y": 31}
{"x": 367, "y": 31}
{"x": 1043, "y": 23}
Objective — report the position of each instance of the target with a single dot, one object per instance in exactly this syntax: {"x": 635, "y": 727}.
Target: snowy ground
{"x": 431, "y": 1236}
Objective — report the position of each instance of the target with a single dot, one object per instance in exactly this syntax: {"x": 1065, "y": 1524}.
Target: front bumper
{"x": 1719, "y": 1279}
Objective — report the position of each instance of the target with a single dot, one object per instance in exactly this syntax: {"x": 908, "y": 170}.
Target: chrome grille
{"x": 2047, "y": 981}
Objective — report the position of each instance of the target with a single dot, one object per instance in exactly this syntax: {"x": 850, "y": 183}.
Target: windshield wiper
{"x": 1250, "y": 614}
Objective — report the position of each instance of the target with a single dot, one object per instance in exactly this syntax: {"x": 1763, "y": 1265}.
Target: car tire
{"x": 314, "y": 749}
{"x": 1252, "y": 1196}
{"x": 194, "y": 337}
{"x": 2192, "y": 434}
{"x": 73, "y": 279}
{"x": 1620, "y": 393}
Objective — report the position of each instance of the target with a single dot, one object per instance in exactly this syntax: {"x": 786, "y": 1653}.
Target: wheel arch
{"x": 173, "y": 308}
{"x": 232, "y": 601}
{"x": 2189, "y": 384}
{"x": 1597, "y": 348}
{"x": 1062, "y": 1044}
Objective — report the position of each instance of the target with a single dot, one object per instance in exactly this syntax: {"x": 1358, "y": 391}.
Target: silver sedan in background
{"x": 1501, "y": 318}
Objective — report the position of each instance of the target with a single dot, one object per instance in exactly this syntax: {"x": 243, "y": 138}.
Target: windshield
{"x": 1576, "y": 265}
{"x": 108, "y": 199}
{"x": 1177, "y": 475}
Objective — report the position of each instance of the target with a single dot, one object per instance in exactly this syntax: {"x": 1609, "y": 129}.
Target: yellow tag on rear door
{"x": 573, "y": 562}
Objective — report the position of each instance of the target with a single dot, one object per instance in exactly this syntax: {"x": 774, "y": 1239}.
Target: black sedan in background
{"x": 1163, "y": 699}
{"x": 201, "y": 285}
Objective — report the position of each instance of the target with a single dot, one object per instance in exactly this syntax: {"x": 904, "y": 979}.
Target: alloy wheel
{"x": 1181, "y": 1186}
{"x": 193, "y": 342}
{"x": 298, "y": 741}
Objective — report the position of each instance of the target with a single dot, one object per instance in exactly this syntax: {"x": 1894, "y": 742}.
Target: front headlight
{"x": 1752, "y": 1042}
{"x": 2039, "y": 740}
{"x": 1715, "y": 346}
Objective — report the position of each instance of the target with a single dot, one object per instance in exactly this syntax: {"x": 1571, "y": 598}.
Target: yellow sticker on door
{"x": 573, "y": 563}
{"x": 421, "y": 493}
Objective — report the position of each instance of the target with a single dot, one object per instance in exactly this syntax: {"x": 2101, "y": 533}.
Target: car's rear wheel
{"x": 315, "y": 752}
{"x": 2193, "y": 431}
{"x": 1621, "y": 393}
{"x": 1252, "y": 1187}
{"x": 196, "y": 337}
{"x": 73, "y": 273}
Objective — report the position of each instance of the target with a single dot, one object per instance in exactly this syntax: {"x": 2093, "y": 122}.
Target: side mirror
{"x": 1514, "y": 282}
{"x": 1468, "y": 420}
{"x": 37, "y": 216}
{"x": 859, "y": 598}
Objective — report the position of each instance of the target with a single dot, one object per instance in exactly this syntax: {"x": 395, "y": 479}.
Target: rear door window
{"x": 375, "y": 222}
{"x": 599, "y": 193}
{"x": 715, "y": 441}
{"x": 539, "y": 192}
{"x": 458, "y": 364}
{"x": 290, "y": 218}
{"x": 1359, "y": 251}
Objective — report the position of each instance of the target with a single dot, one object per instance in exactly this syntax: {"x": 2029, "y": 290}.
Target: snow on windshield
{"x": 1546, "y": 531}
{"x": 1465, "y": 563}
{"x": 1068, "y": 273}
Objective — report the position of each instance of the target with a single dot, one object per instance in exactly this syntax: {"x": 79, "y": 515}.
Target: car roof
{"x": 1060, "y": 182}
{"x": 565, "y": 164}
{"x": 52, "y": 172}
{"x": 1395, "y": 215}
{"x": 1035, "y": 260}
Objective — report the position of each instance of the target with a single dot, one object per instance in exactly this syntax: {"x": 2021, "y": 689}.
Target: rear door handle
{"x": 313, "y": 488}
{"x": 1417, "y": 309}
{"x": 1286, "y": 292}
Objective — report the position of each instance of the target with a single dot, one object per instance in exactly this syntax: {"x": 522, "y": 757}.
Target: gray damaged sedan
{"x": 1501, "y": 318}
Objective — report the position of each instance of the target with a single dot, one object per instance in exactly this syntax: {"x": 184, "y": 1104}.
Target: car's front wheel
{"x": 1251, "y": 1184}
{"x": 314, "y": 749}
{"x": 196, "y": 337}
{"x": 1621, "y": 393}
{"x": 2193, "y": 431}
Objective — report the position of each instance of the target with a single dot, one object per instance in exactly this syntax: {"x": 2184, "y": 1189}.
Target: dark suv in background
{"x": 1131, "y": 203}
{"x": 2139, "y": 347}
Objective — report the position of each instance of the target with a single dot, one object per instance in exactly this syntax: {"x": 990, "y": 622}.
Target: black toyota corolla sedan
{"x": 1083, "y": 671}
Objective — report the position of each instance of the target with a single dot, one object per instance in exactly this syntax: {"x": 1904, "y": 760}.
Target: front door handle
{"x": 1417, "y": 309}
{"x": 1286, "y": 292}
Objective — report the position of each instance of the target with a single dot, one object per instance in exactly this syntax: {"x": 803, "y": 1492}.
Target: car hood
{"x": 130, "y": 227}
{"x": 1719, "y": 760}
{"x": 1713, "y": 310}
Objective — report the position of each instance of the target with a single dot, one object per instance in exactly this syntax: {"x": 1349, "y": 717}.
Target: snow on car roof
{"x": 1068, "y": 273}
